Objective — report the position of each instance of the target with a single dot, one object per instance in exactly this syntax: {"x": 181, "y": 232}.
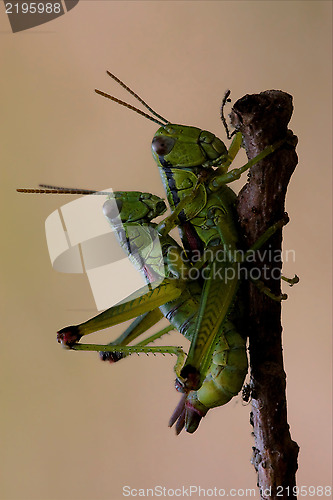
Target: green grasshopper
{"x": 194, "y": 169}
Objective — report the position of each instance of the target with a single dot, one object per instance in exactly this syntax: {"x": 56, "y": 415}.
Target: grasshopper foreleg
{"x": 234, "y": 174}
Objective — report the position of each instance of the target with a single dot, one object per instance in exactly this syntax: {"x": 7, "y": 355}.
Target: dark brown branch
{"x": 263, "y": 120}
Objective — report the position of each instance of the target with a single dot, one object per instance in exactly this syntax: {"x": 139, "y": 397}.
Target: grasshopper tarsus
{"x": 111, "y": 357}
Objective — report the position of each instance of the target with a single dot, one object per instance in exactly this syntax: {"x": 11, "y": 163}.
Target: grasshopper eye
{"x": 160, "y": 207}
{"x": 162, "y": 145}
{"x": 111, "y": 208}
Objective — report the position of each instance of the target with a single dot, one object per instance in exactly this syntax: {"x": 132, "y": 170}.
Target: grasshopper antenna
{"x": 224, "y": 101}
{"x": 136, "y": 97}
{"x": 133, "y": 108}
{"x": 47, "y": 189}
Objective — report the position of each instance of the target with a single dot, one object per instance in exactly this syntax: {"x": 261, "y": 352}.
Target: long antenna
{"x": 47, "y": 189}
{"x": 123, "y": 103}
{"x": 133, "y": 108}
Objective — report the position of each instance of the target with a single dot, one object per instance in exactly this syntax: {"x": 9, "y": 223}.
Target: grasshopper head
{"x": 133, "y": 206}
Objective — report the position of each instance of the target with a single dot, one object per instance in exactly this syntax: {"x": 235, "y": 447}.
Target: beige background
{"x": 73, "y": 428}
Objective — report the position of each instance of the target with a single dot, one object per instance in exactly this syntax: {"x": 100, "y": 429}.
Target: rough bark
{"x": 263, "y": 119}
